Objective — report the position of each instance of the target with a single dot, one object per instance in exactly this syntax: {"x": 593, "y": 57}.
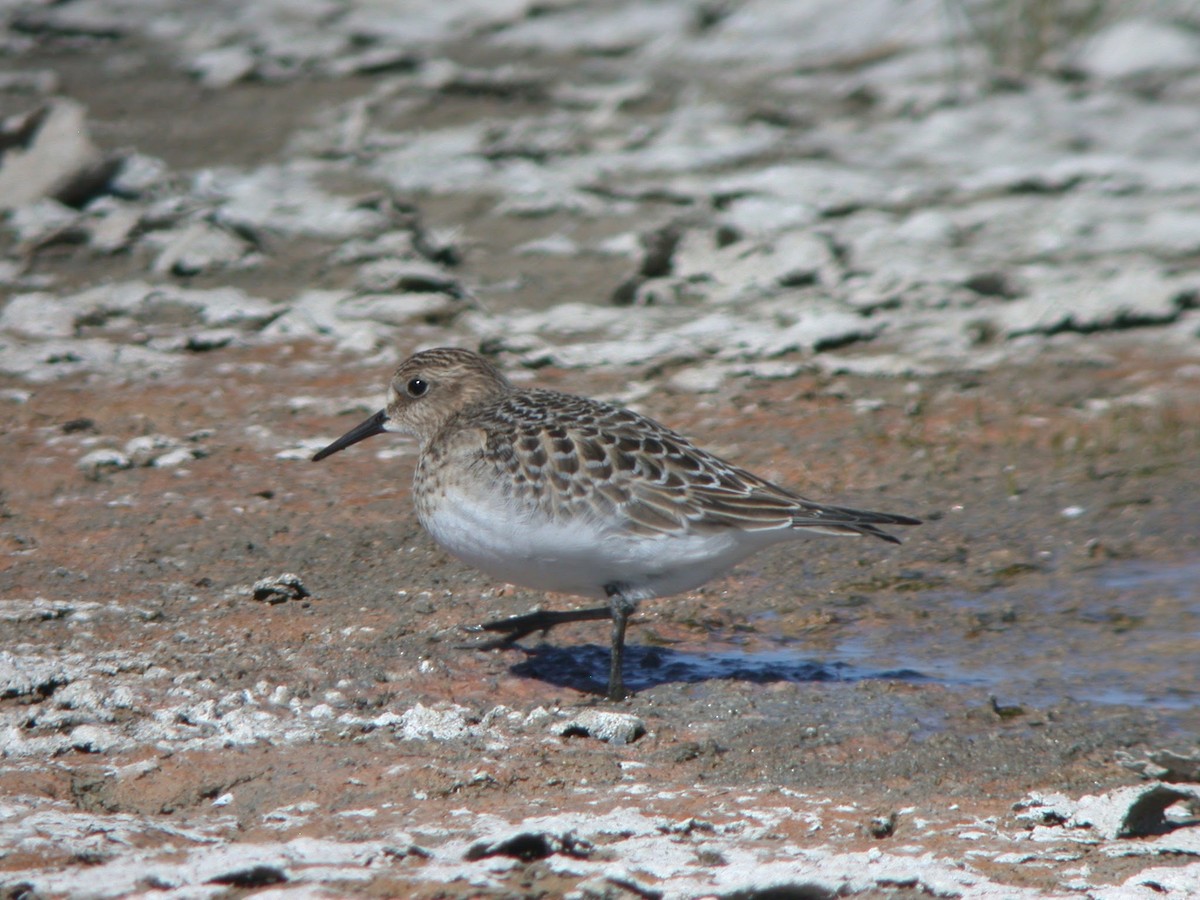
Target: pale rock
{"x": 1093, "y": 299}
{"x": 1135, "y": 811}
{"x": 39, "y": 221}
{"x": 400, "y": 309}
{"x": 389, "y": 274}
{"x": 812, "y": 332}
{"x": 112, "y": 225}
{"x": 145, "y": 449}
{"x": 38, "y": 315}
{"x": 610, "y": 727}
{"x": 96, "y": 739}
{"x": 819, "y": 185}
{"x": 607, "y": 353}
{"x": 566, "y": 319}
{"x": 1173, "y": 882}
{"x": 627, "y": 244}
{"x": 705, "y": 379}
{"x": 138, "y": 174}
{"x": 286, "y": 198}
{"x": 224, "y": 306}
{"x": 788, "y": 259}
{"x": 930, "y": 227}
{"x": 590, "y": 29}
{"x": 759, "y": 217}
{"x": 441, "y": 161}
{"x": 56, "y": 358}
{"x": 173, "y": 458}
{"x": 10, "y": 272}
{"x": 425, "y": 723}
{"x": 314, "y": 313}
{"x": 390, "y": 244}
{"x": 551, "y": 245}
{"x": 103, "y": 460}
{"x": 223, "y": 66}
{"x": 198, "y": 247}
{"x": 39, "y": 82}
{"x": 280, "y": 588}
{"x": 1140, "y": 46}
{"x": 57, "y": 154}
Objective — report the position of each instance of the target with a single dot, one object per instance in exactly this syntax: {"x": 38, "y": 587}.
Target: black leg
{"x": 621, "y": 608}
{"x": 517, "y": 627}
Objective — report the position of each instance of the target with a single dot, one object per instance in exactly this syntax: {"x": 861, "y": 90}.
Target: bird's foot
{"x": 514, "y": 628}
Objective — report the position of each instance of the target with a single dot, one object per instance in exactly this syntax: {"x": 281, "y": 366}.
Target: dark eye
{"x": 416, "y": 387}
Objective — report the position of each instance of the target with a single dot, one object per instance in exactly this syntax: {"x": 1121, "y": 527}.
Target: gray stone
{"x": 55, "y": 152}
{"x": 400, "y": 309}
{"x": 315, "y": 314}
{"x": 1175, "y": 882}
{"x": 144, "y": 450}
{"x": 1095, "y": 299}
{"x": 200, "y": 341}
{"x": 610, "y": 727}
{"x": 442, "y": 161}
{"x": 701, "y": 379}
{"x": 40, "y": 82}
{"x": 381, "y": 275}
{"x": 1131, "y": 812}
{"x": 111, "y": 225}
{"x": 38, "y": 315}
{"x": 596, "y": 30}
{"x": 551, "y": 245}
{"x": 421, "y": 723}
{"x": 280, "y": 588}
{"x": 23, "y": 676}
{"x": 96, "y": 739}
{"x": 49, "y": 360}
{"x": 435, "y": 23}
{"x": 1140, "y": 46}
{"x": 373, "y": 61}
{"x": 820, "y": 329}
{"x": 172, "y": 458}
{"x": 529, "y": 845}
{"x": 390, "y": 244}
{"x": 286, "y": 198}
{"x": 761, "y": 216}
{"x": 815, "y": 185}
{"x": 223, "y": 66}
{"x": 43, "y": 221}
{"x": 40, "y": 609}
{"x": 138, "y": 174}
{"x": 104, "y": 460}
{"x": 198, "y": 247}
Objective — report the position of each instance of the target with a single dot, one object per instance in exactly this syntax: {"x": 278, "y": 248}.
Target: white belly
{"x": 582, "y": 558}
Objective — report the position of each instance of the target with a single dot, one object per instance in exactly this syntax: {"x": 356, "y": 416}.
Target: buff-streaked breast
{"x": 562, "y": 493}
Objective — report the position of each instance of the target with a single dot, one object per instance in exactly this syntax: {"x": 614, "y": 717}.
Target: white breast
{"x": 581, "y": 557}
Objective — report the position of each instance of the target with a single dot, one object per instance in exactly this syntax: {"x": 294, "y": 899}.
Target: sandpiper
{"x": 562, "y": 493}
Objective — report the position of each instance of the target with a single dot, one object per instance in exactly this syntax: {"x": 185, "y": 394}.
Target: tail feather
{"x": 846, "y": 521}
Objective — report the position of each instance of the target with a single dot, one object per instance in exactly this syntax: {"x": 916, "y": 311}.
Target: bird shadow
{"x": 584, "y": 667}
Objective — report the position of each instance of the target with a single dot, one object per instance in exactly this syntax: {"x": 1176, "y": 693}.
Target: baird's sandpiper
{"x": 563, "y": 493}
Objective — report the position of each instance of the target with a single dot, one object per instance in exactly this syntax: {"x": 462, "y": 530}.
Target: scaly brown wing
{"x": 574, "y": 457}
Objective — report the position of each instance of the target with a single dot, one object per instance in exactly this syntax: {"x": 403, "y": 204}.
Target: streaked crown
{"x": 433, "y": 386}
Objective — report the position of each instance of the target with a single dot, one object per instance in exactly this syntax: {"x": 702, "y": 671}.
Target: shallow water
{"x": 1129, "y": 635}
{"x": 1122, "y": 634}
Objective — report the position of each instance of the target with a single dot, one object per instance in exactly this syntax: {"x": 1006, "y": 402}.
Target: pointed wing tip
{"x": 892, "y": 520}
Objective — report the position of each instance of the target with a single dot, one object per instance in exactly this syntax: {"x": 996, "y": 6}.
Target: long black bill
{"x": 361, "y": 432}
